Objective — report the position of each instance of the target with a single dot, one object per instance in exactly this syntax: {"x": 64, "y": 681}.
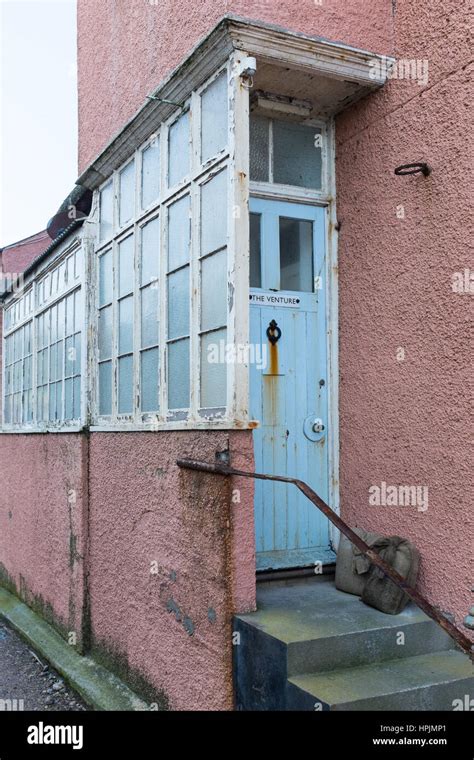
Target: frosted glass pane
{"x": 59, "y": 360}
{"x": 68, "y": 399}
{"x": 126, "y": 325}
{"x": 259, "y": 142}
{"x": 70, "y": 357}
{"x": 296, "y": 159}
{"x": 179, "y": 233}
{"x": 150, "y": 251}
{"x": 106, "y": 211}
{"x": 214, "y": 214}
{"x": 151, "y": 173}
{"x": 178, "y": 303}
{"x": 105, "y": 388}
{"x": 54, "y": 323}
{"x": 105, "y": 278}
{"x": 178, "y": 150}
{"x": 127, "y": 193}
{"x": 125, "y": 381}
{"x": 77, "y": 354}
{"x": 149, "y": 381}
{"x": 296, "y": 255}
{"x": 126, "y": 272}
{"x": 213, "y": 373}
{"x": 178, "y": 375}
{"x": 105, "y": 333}
{"x": 214, "y": 291}
{"x": 149, "y": 316}
{"x": 255, "y": 251}
{"x": 61, "y": 318}
{"x": 214, "y": 118}
{"x": 78, "y": 310}
{"x": 70, "y": 314}
{"x": 77, "y": 398}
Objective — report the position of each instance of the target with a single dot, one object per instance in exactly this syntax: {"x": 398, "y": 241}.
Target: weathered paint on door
{"x": 289, "y": 389}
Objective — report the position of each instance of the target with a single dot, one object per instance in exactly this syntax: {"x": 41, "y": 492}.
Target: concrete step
{"x": 322, "y": 628}
{"x": 306, "y": 627}
{"x": 426, "y": 682}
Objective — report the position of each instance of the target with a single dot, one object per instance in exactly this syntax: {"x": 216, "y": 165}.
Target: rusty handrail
{"x": 452, "y": 630}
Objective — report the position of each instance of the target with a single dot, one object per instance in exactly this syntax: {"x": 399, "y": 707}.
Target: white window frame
{"x": 233, "y": 159}
{"x": 31, "y": 284}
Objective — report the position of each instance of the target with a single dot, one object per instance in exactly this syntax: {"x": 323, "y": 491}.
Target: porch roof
{"x": 343, "y": 73}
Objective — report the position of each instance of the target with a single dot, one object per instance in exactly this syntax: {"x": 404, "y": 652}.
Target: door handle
{"x": 273, "y": 332}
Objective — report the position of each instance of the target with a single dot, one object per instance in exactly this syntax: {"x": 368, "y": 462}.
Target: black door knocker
{"x": 273, "y": 332}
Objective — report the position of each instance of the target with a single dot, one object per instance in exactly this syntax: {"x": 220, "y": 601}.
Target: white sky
{"x": 38, "y": 113}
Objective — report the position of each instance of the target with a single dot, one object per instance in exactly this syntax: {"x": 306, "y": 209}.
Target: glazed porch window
{"x": 161, "y": 267}
{"x": 42, "y": 358}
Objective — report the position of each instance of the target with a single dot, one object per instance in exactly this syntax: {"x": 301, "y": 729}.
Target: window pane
{"x": 255, "y": 252}
{"x": 149, "y": 381}
{"x": 179, "y": 233}
{"x": 105, "y": 388}
{"x": 70, "y": 314}
{"x": 178, "y": 150}
{"x": 296, "y": 158}
{"x": 214, "y": 213}
{"x": 105, "y": 278}
{"x": 214, "y": 291}
{"x": 214, "y": 118}
{"x": 151, "y": 173}
{"x": 77, "y": 398}
{"x": 70, "y": 357}
{"x": 106, "y": 211}
{"x": 213, "y": 369}
{"x": 68, "y": 399}
{"x": 178, "y": 375}
{"x": 127, "y": 193}
{"x": 259, "y": 141}
{"x": 78, "y": 310}
{"x": 150, "y": 251}
{"x": 149, "y": 316}
{"x": 105, "y": 333}
{"x": 178, "y": 303}
{"x": 125, "y": 381}
{"x": 296, "y": 254}
{"x": 126, "y": 271}
{"x": 77, "y": 354}
{"x": 126, "y": 325}
{"x": 61, "y": 318}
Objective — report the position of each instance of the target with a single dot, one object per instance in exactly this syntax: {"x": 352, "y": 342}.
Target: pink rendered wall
{"x": 406, "y": 422}
{"x": 168, "y": 624}
{"x": 43, "y": 530}
{"x": 126, "y": 47}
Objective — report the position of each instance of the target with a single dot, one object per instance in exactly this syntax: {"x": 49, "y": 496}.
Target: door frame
{"x": 273, "y": 192}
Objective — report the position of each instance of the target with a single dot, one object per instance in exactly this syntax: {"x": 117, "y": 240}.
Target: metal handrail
{"x": 452, "y": 630}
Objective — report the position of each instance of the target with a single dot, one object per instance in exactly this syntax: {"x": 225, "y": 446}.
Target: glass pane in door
{"x": 296, "y": 254}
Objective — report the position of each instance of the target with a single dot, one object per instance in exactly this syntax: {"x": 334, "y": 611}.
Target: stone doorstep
{"x": 98, "y": 687}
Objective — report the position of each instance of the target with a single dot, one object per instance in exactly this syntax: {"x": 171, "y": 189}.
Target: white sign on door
{"x": 273, "y": 299}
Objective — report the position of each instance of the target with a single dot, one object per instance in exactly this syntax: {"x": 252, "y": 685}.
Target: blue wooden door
{"x": 288, "y": 386}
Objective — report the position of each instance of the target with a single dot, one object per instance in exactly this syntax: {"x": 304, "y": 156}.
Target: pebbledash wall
{"x": 146, "y": 564}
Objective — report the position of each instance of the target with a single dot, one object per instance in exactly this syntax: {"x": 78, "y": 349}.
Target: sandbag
{"x": 379, "y": 591}
{"x": 351, "y": 567}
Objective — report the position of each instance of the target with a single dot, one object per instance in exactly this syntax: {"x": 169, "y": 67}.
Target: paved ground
{"x": 23, "y": 675}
